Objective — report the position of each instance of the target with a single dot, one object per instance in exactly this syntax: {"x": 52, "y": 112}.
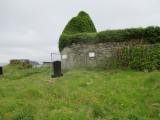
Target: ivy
{"x": 141, "y": 57}
{"x": 150, "y": 35}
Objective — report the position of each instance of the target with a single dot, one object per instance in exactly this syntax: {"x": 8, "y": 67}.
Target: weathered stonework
{"x": 78, "y": 54}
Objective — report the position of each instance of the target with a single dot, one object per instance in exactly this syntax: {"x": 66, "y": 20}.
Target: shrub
{"x": 141, "y": 57}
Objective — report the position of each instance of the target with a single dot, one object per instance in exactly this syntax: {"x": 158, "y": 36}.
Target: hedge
{"x": 149, "y": 34}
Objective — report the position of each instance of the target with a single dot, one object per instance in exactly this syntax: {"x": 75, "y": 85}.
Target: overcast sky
{"x": 31, "y": 28}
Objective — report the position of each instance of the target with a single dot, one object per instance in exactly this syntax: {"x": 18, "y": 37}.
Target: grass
{"x": 79, "y": 95}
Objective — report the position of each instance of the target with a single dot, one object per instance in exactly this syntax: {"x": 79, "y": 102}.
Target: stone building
{"x": 91, "y": 55}
{"x": 81, "y": 46}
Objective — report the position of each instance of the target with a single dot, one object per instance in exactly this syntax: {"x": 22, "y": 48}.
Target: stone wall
{"x": 82, "y": 55}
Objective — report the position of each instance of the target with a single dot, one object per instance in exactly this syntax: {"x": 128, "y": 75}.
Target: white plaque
{"x": 91, "y": 54}
{"x": 64, "y": 57}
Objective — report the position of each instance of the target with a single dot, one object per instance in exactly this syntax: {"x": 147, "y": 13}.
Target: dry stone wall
{"x": 91, "y": 55}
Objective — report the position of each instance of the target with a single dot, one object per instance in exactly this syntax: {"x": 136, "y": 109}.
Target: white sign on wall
{"x": 91, "y": 54}
{"x": 64, "y": 57}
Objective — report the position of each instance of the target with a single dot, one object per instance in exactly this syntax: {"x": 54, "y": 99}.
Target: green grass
{"x": 79, "y": 95}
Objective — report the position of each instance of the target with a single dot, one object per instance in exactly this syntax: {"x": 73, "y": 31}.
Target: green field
{"x": 79, "y": 95}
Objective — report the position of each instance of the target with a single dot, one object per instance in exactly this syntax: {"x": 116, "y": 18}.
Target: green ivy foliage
{"x": 67, "y": 40}
{"x": 141, "y": 57}
{"x": 80, "y": 24}
{"x": 74, "y": 29}
{"x": 149, "y": 35}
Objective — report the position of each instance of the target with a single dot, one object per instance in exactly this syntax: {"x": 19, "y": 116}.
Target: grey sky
{"x": 31, "y": 28}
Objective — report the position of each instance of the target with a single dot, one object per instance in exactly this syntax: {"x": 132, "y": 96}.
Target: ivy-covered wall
{"x": 141, "y": 57}
{"x": 80, "y": 37}
{"x": 150, "y": 35}
{"x": 78, "y": 54}
{"x": 113, "y": 55}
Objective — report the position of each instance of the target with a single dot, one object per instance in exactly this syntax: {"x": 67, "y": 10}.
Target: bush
{"x": 141, "y": 57}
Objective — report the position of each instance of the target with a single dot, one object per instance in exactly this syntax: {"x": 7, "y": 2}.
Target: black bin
{"x": 1, "y": 70}
{"x": 57, "y": 69}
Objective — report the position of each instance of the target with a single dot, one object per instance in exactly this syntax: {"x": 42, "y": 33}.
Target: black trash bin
{"x": 57, "y": 69}
{"x": 1, "y": 70}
